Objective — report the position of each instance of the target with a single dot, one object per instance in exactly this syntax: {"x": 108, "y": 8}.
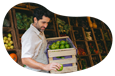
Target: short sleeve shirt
{"x": 33, "y": 45}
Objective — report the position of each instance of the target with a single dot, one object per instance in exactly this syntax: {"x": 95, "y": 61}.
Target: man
{"x": 34, "y": 43}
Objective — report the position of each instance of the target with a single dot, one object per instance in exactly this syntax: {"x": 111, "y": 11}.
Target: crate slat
{"x": 64, "y": 61}
{"x": 61, "y": 52}
{"x": 66, "y": 70}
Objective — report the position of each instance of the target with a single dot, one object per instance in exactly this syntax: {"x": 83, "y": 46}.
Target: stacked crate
{"x": 69, "y": 54}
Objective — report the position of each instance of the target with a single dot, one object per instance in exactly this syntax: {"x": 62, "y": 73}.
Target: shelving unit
{"x": 98, "y": 41}
{"x": 51, "y": 31}
{"x": 11, "y": 29}
{"x": 67, "y": 21}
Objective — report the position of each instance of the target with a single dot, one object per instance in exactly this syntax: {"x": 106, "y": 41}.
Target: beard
{"x": 41, "y": 29}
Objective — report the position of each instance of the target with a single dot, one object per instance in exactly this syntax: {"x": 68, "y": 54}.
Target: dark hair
{"x": 42, "y": 11}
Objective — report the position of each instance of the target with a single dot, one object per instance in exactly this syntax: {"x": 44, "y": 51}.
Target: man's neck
{"x": 35, "y": 27}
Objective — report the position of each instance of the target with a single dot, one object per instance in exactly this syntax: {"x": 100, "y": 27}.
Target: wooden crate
{"x": 63, "y": 52}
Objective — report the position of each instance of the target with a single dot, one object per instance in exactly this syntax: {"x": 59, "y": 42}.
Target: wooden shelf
{"x": 90, "y": 40}
{"x": 11, "y": 50}
{"x": 8, "y": 29}
{"x": 83, "y": 55}
{"x": 80, "y": 40}
{"x": 94, "y": 54}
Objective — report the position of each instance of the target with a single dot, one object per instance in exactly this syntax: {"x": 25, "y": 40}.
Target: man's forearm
{"x": 33, "y": 64}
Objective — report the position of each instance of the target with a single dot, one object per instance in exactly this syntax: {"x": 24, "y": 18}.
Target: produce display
{"x": 93, "y": 48}
{"x": 101, "y": 48}
{"x": 105, "y": 33}
{"x": 82, "y": 22}
{"x": 88, "y": 35}
{"x": 98, "y": 34}
{"x": 108, "y": 43}
{"x": 8, "y": 42}
{"x": 23, "y": 21}
{"x": 59, "y": 45}
{"x": 81, "y": 48}
{"x": 78, "y": 34}
{"x": 81, "y": 51}
{"x": 84, "y": 64}
{"x": 95, "y": 60}
{"x": 63, "y": 27}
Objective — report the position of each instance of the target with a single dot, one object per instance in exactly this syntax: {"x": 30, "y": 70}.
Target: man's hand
{"x": 52, "y": 66}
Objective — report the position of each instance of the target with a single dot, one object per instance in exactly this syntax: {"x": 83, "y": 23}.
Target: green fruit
{"x": 5, "y": 38}
{"x": 58, "y": 42}
{"x": 61, "y": 68}
{"x": 53, "y": 46}
{"x": 62, "y": 42}
{"x": 5, "y": 45}
{"x": 53, "y": 43}
{"x": 67, "y": 46}
{"x": 9, "y": 39}
{"x": 11, "y": 47}
{"x": 62, "y": 46}
{"x": 9, "y": 44}
{"x": 9, "y": 35}
{"x": 66, "y": 42}
{"x": 49, "y": 46}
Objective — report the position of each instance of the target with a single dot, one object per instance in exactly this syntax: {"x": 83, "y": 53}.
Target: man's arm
{"x": 36, "y": 65}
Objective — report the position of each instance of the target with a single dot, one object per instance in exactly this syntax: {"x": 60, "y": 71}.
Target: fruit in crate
{"x": 61, "y": 68}
{"x": 59, "y": 45}
{"x": 62, "y": 42}
{"x": 62, "y": 46}
{"x": 8, "y": 43}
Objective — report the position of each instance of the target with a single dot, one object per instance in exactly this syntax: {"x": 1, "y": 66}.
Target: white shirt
{"x": 33, "y": 46}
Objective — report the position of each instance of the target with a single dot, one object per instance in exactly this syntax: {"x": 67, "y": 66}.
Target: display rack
{"x": 80, "y": 37}
{"x": 11, "y": 29}
{"x": 63, "y": 18}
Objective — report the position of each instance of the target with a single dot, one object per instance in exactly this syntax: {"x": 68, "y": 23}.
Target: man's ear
{"x": 35, "y": 20}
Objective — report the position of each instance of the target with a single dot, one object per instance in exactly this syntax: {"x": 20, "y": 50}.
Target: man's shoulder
{"x": 28, "y": 33}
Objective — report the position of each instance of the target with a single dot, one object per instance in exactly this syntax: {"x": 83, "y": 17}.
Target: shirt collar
{"x": 35, "y": 29}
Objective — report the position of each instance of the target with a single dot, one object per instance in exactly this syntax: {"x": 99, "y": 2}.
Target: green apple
{"x": 8, "y": 47}
{"x": 62, "y": 42}
{"x": 57, "y": 42}
{"x": 5, "y": 38}
{"x": 5, "y": 45}
{"x": 53, "y": 46}
{"x": 61, "y": 68}
{"x": 67, "y": 46}
{"x": 9, "y": 39}
{"x": 9, "y": 35}
{"x": 66, "y": 42}
{"x": 6, "y": 41}
{"x": 11, "y": 47}
{"x": 62, "y": 46}
{"x": 9, "y": 44}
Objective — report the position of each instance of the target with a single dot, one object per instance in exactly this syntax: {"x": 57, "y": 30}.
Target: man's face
{"x": 42, "y": 23}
